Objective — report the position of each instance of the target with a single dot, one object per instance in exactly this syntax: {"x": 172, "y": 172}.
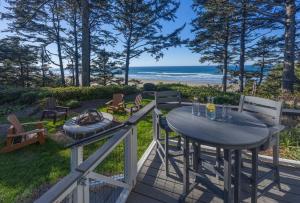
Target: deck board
{"x": 154, "y": 186}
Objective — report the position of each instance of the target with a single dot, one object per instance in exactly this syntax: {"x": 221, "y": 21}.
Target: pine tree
{"x": 215, "y": 33}
{"x": 19, "y": 62}
{"x": 39, "y": 21}
{"x": 139, "y": 23}
{"x": 104, "y": 68}
{"x": 265, "y": 53}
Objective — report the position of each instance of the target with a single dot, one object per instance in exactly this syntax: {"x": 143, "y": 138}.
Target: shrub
{"x": 28, "y": 97}
{"x": 72, "y": 104}
{"x": 10, "y": 95}
{"x": 149, "y": 87}
{"x": 89, "y": 93}
{"x": 202, "y": 92}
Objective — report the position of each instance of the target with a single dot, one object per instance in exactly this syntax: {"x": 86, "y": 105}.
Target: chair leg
{"x": 218, "y": 160}
{"x": 254, "y": 175}
{"x": 43, "y": 115}
{"x": 276, "y": 162}
{"x": 167, "y": 152}
{"x": 179, "y": 143}
{"x": 54, "y": 118}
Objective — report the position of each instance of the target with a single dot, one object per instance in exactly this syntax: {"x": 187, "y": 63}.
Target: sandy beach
{"x": 178, "y": 82}
{"x": 230, "y": 87}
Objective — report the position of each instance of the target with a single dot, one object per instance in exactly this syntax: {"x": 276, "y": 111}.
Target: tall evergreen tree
{"x": 139, "y": 27}
{"x": 283, "y": 13}
{"x": 19, "y": 62}
{"x": 215, "y": 33}
{"x": 104, "y": 68}
{"x": 39, "y": 21}
{"x": 265, "y": 53}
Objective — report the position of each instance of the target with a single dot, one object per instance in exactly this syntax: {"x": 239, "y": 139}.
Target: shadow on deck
{"x": 154, "y": 186}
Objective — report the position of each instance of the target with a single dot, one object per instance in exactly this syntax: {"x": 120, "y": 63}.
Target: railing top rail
{"x": 63, "y": 185}
{"x": 135, "y": 118}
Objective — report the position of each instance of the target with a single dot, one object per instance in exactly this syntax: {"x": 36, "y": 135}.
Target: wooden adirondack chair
{"x": 116, "y": 104}
{"x": 18, "y": 138}
{"x": 137, "y": 105}
{"x": 54, "y": 111}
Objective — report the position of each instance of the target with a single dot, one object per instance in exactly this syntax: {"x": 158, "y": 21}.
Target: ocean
{"x": 183, "y": 74}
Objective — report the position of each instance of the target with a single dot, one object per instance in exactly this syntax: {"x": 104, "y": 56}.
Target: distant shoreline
{"x": 230, "y": 87}
{"x": 178, "y": 82}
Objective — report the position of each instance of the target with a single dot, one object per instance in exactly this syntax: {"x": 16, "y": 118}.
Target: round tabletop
{"x": 73, "y": 129}
{"x": 241, "y": 131}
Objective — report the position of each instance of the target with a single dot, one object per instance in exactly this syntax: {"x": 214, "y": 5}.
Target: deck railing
{"x": 89, "y": 180}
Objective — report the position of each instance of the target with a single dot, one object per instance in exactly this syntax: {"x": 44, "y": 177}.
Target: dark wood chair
{"x": 52, "y": 110}
{"x": 270, "y": 112}
{"x": 137, "y": 105}
{"x": 18, "y": 138}
{"x": 166, "y": 99}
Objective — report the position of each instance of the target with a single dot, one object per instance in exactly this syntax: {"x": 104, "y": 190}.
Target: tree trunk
{"x": 57, "y": 28}
{"x": 61, "y": 65}
{"x": 288, "y": 76}
{"x": 242, "y": 45}
{"x": 127, "y": 65}
{"x": 76, "y": 54}
{"x": 127, "y": 62}
{"x": 85, "y": 43}
{"x": 225, "y": 67}
{"x": 262, "y": 70}
{"x": 22, "y": 73}
{"x": 225, "y": 60}
{"x": 42, "y": 67}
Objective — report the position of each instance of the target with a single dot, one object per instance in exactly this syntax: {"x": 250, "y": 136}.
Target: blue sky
{"x": 173, "y": 56}
{"x": 179, "y": 56}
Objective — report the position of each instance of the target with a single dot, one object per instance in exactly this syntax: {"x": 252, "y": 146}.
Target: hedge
{"x": 63, "y": 94}
{"x": 202, "y": 92}
{"x": 31, "y": 95}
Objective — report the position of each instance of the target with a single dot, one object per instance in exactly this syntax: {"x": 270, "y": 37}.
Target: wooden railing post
{"x": 131, "y": 157}
{"x": 81, "y": 192}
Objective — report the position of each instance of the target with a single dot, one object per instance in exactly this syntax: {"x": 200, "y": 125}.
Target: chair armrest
{"x": 109, "y": 102}
{"x": 29, "y": 132}
{"x": 276, "y": 129}
{"x": 121, "y": 104}
{"x": 34, "y": 123}
{"x": 158, "y": 112}
{"x": 62, "y": 107}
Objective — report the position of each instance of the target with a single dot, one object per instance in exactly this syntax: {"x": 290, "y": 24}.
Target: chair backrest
{"x": 266, "y": 109}
{"x": 14, "y": 121}
{"x": 167, "y": 96}
{"x": 138, "y": 100}
{"x": 117, "y": 99}
{"x": 51, "y": 103}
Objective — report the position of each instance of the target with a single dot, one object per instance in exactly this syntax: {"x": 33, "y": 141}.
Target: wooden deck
{"x": 154, "y": 186}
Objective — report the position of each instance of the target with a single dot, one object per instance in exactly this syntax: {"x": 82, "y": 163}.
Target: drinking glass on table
{"x": 226, "y": 111}
{"x": 210, "y": 109}
{"x": 196, "y": 107}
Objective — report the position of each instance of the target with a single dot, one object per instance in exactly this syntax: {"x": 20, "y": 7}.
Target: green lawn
{"x": 25, "y": 172}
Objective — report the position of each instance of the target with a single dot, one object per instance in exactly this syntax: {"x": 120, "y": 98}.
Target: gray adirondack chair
{"x": 270, "y": 112}
{"x": 165, "y": 99}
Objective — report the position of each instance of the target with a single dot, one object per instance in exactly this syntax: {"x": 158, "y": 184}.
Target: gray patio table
{"x": 241, "y": 131}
